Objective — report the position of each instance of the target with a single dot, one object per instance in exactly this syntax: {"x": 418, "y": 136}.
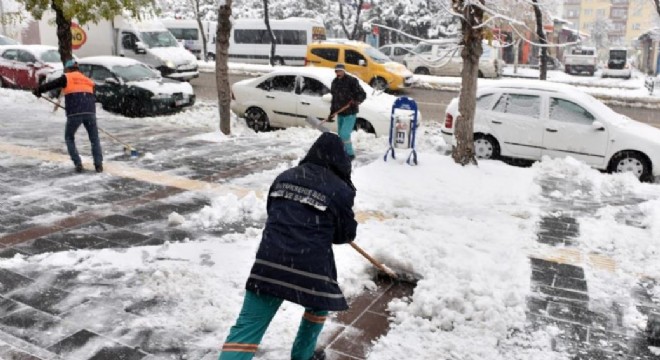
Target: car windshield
{"x": 185, "y": 34}
{"x": 618, "y": 54}
{"x": 134, "y": 72}
{"x": 154, "y": 39}
{"x": 51, "y": 56}
{"x": 423, "y": 48}
{"x": 376, "y": 55}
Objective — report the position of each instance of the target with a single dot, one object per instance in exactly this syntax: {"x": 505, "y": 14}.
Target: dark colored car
{"x": 132, "y": 88}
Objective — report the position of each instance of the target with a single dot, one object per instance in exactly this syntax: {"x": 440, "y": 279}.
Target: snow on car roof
{"x": 533, "y": 85}
{"x": 34, "y": 49}
{"x": 324, "y": 73}
{"x": 108, "y": 61}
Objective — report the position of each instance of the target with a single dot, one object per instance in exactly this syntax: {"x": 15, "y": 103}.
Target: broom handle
{"x": 98, "y": 127}
{"x": 338, "y": 111}
{"x": 373, "y": 261}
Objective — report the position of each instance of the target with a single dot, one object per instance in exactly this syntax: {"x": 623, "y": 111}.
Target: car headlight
{"x": 170, "y": 64}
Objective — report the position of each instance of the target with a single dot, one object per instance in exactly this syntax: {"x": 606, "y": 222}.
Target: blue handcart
{"x": 403, "y": 128}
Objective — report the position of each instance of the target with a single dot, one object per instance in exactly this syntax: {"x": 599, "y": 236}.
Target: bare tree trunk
{"x": 473, "y": 16}
{"x": 64, "y": 36}
{"x": 221, "y": 68}
{"x": 357, "y": 20}
{"x": 270, "y": 34}
{"x": 657, "y": 6}
{"x": 195, "y": 5}
{"x": 516, "y": 48}
{"x": 543, "y": 61}
{"x": 343, "y": 20}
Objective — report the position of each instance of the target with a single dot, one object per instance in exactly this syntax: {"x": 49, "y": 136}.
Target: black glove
{"x": 36, "y": 93}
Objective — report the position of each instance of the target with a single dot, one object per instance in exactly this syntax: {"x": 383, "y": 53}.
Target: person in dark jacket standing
{"x": 80, "y": 109}
{"x": 347, "y": 95}
{"x": 310, "y": 207}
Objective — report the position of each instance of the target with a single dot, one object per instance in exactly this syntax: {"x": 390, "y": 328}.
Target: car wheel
{"x": 378, "y": 83}
{"x": 480, "y": 75}
{"x": 422, "y": 71}
{"x": 257, "y": 119}
{"x": 486, "y": 147}
{"x": 362, "y": 124}
{"x": 631, "y": 161}
{"x": 210, "y": 57}
{"x": 279, "y": 61}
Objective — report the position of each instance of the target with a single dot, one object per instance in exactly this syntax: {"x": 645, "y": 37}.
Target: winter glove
{"x": 36, "y": 93}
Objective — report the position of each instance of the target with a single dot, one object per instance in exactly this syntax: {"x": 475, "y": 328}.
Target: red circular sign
{"x": 78, "y": 36}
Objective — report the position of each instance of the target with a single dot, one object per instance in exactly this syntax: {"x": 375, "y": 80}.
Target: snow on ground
{"x": 466, "y": 232}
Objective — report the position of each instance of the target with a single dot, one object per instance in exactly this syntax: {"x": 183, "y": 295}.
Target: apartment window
{"x": 618, "y": 13}
{"x": 636, "y": 27}
{"x": 588, "y": 12}
{"x": 600, "y": 12}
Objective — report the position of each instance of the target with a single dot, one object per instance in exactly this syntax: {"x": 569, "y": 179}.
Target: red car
{"x": 26, "y": 66}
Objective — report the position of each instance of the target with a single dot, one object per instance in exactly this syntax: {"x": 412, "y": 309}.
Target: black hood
{"x": 328, "y": 151}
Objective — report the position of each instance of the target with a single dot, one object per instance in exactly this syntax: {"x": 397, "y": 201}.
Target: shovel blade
{"x": 316, "y": 124}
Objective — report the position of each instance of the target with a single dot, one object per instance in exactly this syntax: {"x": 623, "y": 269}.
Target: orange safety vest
{"x": 76, "y": 82}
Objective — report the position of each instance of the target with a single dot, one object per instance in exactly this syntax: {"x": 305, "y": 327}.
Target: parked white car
{"x": 531, "y": 119}
{"x": 443, "y": 58}
{"x": 287, "y": 96}
{"x": 396, "y": 52}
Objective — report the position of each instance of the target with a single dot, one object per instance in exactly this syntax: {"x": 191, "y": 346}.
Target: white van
{"x": 188, "y": 34}
{"x": 250, "y": 42}
{"x": 147, "y": 41}
{"x": 443, "y": 58}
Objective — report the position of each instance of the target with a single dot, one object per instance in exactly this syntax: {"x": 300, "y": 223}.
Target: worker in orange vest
{"x": 80, "y": 110}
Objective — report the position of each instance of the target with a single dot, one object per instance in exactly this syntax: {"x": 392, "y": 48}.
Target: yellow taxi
{"x": 361, "y": 60}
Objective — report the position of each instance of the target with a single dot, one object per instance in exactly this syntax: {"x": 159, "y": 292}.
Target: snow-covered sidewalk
{"x": 466, "y": 232}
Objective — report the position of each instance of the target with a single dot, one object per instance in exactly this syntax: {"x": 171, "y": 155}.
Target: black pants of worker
{"x": 73, "y": 122}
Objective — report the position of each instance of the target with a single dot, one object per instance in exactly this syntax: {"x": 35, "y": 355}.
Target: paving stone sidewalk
{"x": 560, "y": 293}
{"x": 45, "y": 207}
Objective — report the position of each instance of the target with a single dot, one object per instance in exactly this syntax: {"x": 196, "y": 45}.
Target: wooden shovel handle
{"x": 373, "y": 261}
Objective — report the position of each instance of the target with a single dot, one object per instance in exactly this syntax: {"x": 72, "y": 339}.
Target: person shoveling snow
{"x": 80, "y": 110}
{"x": 309, "y": 209}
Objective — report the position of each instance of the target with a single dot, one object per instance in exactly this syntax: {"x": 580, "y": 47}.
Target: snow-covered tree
{"x": 471, "y": 13}
{"x": 599, "y": 30}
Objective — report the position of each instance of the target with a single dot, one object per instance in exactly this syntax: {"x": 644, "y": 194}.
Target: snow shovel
{"x": 318, "y": 124}
{"x": 386, "y": 271}
{"x": 128, "y": 149}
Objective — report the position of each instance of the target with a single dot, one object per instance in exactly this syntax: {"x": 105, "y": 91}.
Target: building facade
{"x": 622, "y": 20}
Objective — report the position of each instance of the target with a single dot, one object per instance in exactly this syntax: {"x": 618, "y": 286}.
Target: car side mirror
{"x": 140, "y": 48}
{"x": 362, "y": 62}
{"x": 327, "y": 98}
{"x": 598, "y": 126}
{"x": 112, "y": 81}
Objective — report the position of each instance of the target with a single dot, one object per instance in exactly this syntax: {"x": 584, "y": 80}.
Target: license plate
{"x": 180, "y": 102}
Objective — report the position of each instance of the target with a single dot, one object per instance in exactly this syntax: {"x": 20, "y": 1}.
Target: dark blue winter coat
{"x": 309, "y": 208}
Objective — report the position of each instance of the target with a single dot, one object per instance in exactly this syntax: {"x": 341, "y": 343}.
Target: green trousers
{"x": 256, "y": 314}
{"x": 345, "y": 126}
